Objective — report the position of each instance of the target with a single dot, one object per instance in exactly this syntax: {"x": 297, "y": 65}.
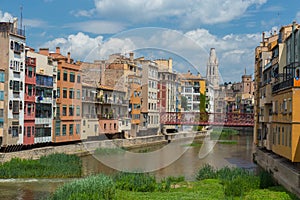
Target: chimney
{"x": 57, "y": 50}
{"x": 69, "y": 57}
{"x": 263, "y": 36}
{"x": 44, "y": 51}
{"x": 294, "y": 26}
{"x": 131, "y": 54}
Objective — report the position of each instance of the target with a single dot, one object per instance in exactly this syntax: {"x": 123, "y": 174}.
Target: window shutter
{"x": 11, "y": 84}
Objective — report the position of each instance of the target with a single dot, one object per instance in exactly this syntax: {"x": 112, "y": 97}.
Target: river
{"x": 183, "y": 160}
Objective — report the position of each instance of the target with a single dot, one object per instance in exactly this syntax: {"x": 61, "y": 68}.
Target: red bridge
{"x": 207, "y": 119}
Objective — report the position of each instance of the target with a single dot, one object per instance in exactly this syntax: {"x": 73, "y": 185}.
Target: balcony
{"x": 29, "y": 116}
{"x": 90, "y": 99}
{"x": 283, "y": 85}
{"x": 43, "y": 121}
{"x": 29, "y": 98}
{"x": 44, "y": 100}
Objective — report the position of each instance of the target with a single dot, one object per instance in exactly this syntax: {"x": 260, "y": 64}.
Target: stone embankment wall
{"x": 85, "y": 148}
{"x": 284, "y": 172}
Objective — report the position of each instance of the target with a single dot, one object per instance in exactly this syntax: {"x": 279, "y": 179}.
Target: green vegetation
{"x": 138, "y": 182}
{"x": 109, "y": 151}
{"x": 194, "y": 144}
{"x": 51, "y": 166}
{"x": 225, "y": 183}
{"x": 90, "y": 188}
{"x": 223, "y": 134}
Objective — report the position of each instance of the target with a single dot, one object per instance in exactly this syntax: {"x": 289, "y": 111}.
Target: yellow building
{"x": 277, "y": 110}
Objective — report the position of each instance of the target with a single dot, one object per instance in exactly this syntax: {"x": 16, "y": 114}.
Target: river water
{"x": 174, "y": 159}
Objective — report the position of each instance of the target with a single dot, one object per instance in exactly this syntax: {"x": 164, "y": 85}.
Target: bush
{"x": 266, "y": 180}
{"x": 266, "y": 194}
{"x": 138, "y": 182}
{"x": 165, "y": 184}
{"x": 91, "y": 188}
{"x": 240, "y": 185}
{"x": 206, "y": 172}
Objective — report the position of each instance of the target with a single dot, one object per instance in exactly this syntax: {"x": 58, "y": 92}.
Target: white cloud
{"x": 80, "y": 45}
{"x": 5, "y": 17}
{"x": 188, "y": 13}
{"x": 34, "y": 23}
{"x": 235, "y": 51}
{"x": 98, "y": 27}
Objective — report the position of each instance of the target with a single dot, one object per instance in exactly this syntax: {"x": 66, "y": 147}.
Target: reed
{"x": 51, "y": 166}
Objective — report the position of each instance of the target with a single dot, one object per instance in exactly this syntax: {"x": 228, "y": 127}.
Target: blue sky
{"x": 186, "y": 28}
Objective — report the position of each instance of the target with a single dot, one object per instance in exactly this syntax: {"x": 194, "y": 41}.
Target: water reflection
{"x": 187, "y": 165}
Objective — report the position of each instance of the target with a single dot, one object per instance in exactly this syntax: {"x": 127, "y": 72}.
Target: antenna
{"x": 21, "y": 21}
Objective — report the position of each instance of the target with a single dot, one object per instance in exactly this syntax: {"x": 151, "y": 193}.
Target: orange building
{"x": 67, "y": 121}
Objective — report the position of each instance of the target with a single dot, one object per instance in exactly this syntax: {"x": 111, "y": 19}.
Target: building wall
{"x": 67, "y": 126}
{"x": 16, "y": 74}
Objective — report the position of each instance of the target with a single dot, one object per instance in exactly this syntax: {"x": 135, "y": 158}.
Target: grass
{"x": 225, "y": 183}
{"x": 90, "y": 188}
{"x": 109, "y": 151}
{"x": 227, "y": 142}
{"x": 51, "y": 166}
{"x": 194, "y": 144}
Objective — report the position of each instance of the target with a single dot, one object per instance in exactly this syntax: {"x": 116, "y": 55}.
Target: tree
{"x": 184, "y": 103}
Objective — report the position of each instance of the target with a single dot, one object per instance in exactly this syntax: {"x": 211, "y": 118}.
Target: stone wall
{"x": 283, "y": 171}
{"x": 88, "y": 147}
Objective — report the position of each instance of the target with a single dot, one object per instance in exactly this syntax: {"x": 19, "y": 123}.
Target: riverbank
{"x": 284, "y": 172}
{"x": 88, "y": 147}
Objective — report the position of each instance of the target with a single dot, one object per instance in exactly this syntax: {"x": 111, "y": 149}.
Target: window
{"x": 58, "y": 75}
{"x": 10, "y": 105}
{"x": 278, "y": 136}
{"x": 1, "y": 95}
{"x": 72, "y": 77}
{"x": 29, "y": 90}
{"x": 30, "y": 72}
{"x": 58, "y": 92}
{"x": 16, "y": 86}
{"x": 11, "y": 45}
{"x": 64, "y": 110}
{"x": 28, "y": 131}
{"x": 78, "y": 94}
{"x": 71, "y": 129}
{"x": 65, "y": 93}
{"x": 57, "y": 128}
{"x": 77, "y": 128}
{"x": 282, "y": 138}
{"x": 1, "y": 113}
{"x": 78, "y": 78}
{"x": 16, "y": 106}
{"x": 2, "y": 77}
{"x": 28, "y": 109}
{"x": 64, "y": 129}
{"x": 57, "y": 111}
{"x": 71, "y": 93}
{"x": 71, "y": 110}
{"x": 15, "y": 131}
{"x": 77, "y": 110}
{"x": 65, "y": 75}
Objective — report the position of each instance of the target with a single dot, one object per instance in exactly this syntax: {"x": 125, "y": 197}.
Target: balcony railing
{"x": 283, "y": 85}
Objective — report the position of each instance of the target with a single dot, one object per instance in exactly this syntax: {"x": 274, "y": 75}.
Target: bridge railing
{"x": 197, "y": 118}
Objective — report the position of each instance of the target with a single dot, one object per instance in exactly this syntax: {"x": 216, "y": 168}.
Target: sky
{"x": 184, "y": 30}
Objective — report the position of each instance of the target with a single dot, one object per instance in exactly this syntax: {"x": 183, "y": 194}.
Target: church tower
{"x": 212, "y": 69}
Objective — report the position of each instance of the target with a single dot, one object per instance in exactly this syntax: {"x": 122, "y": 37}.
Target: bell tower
{"x": 212, "y": 69}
